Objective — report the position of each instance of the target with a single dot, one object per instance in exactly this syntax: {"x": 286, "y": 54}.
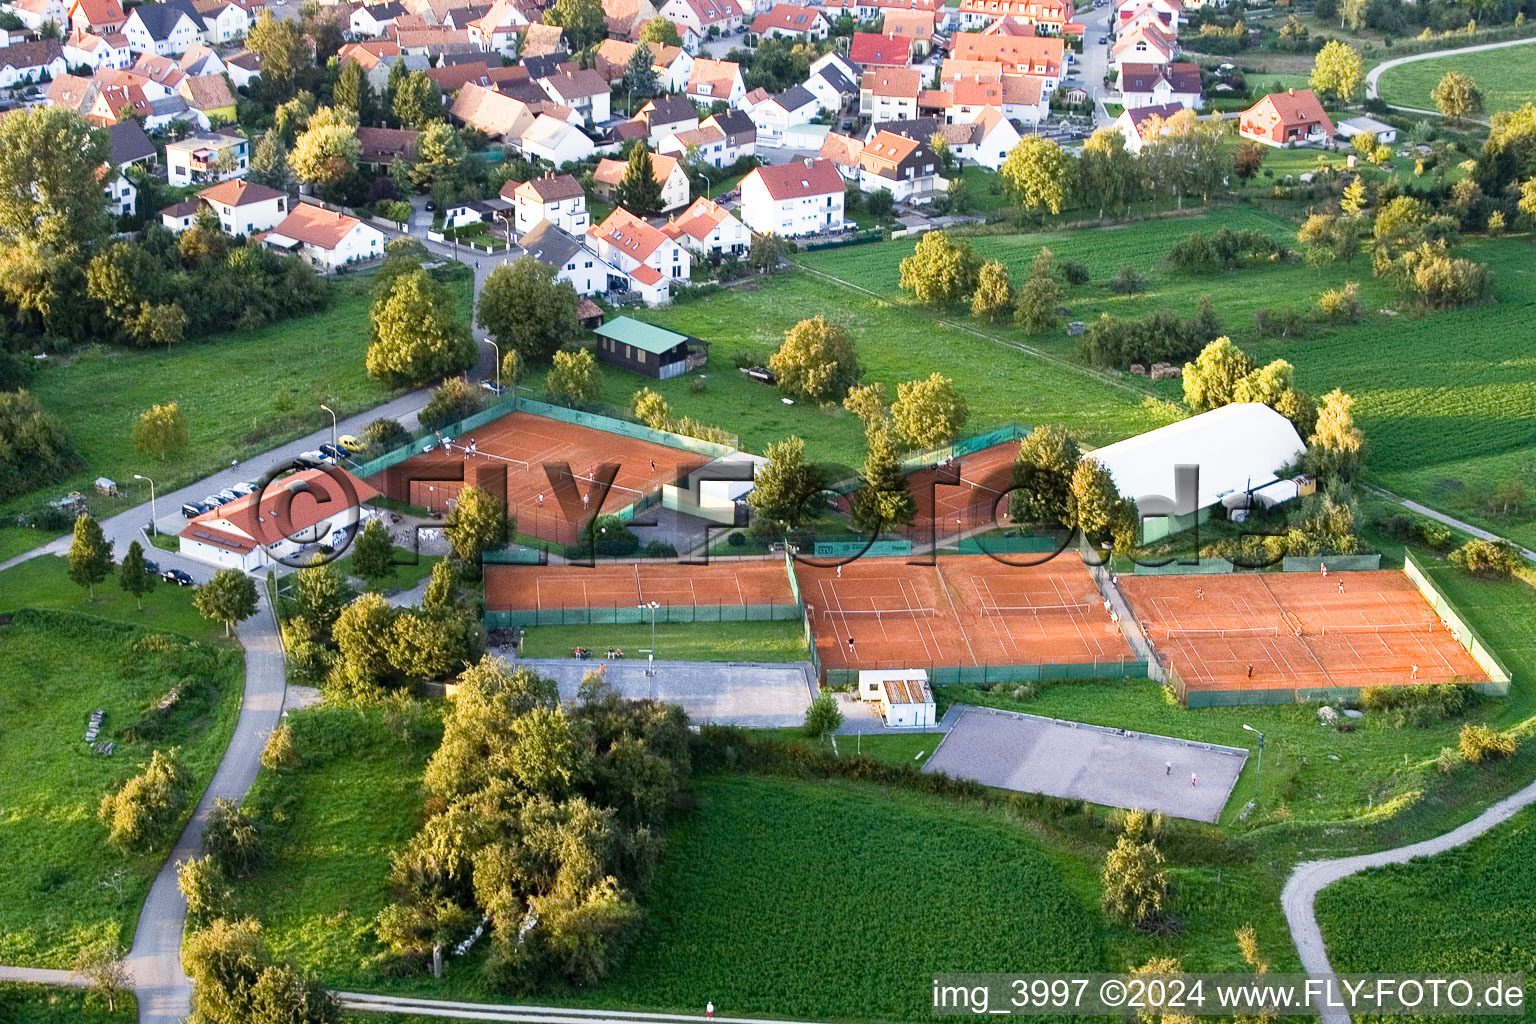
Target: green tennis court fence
{"x": 862, "y": 548}
{"x": 944, "y": 675}
{"x": 1335, "y": 563}
{"x": 512, "y": 556}
{"x": 613, "y": 425}
{"x": 1480, "y": 651}
{"x": 1002, "y": 546}
{"x": 618, "y": 615}
{"x": 1205, "y": 566}
{"x": 425, "y": 437}
{"x": 966, "y": 446}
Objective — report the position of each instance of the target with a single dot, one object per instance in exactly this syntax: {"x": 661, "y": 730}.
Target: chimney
{"x": 809, "y": 162}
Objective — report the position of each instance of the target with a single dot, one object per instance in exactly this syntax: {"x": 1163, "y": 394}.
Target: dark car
{"x": 177, "y": 577}
{"x": 215, "y": 500}
{"x": 193, "y": 508}
{"x": 153, "y": 568}
{"x": 334, "y": 451}
{"x": 431, "y": 206}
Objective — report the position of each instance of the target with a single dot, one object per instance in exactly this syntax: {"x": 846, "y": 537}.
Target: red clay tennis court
{"x": 969, "y": 610}
{"x": 985, "y": 476}
{"x": 1261, "y": 631}
{"x": 624, "y": 585}
{"x": 518, "y": 444}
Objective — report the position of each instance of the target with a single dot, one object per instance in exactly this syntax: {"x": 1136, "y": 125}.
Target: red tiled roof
{"x": 316, "y": 226}
{"x": 889, "y": 51}
{"x": 800, "y": 178}
{"x": 239, "y": 192}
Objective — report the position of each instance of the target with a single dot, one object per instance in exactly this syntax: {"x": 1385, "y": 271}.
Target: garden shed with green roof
{"x": 648, "y": 349}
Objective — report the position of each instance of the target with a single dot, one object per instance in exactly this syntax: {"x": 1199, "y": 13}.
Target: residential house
{"x": 706, "y": 144}
{"x": 837, "y": 60}
{"x": 434, "y": 40}
{"x": 468, "y": 211}
{"x": 450, "y": 78}
{"x": 833, "y": 90}
{"x": 1021, "y": 97}
{"x": 874, "y": 10}
{"x": 740, "y": 135}
{"x": 555, "y": 141}
{"x": 97, "y": 17}
{"x": 93, "y": 51}
{"x": 790, "y": 21}
{"x": 498, "y": 116}
{"x": 541, "y": 40}
{"x": 1140, "y": 125}
{"x": 130, "y": 148}
{"x": 243, "y": 68}
{"x": 1386, "y": 134}
{"x": 890, "y": 94}
{"x": 673, "y": 64}
{"x": 31, "y": 62}
{"x": 381, "y": 147}
{"x": 223, "y": 21}
{"x": 648, "y": 349}
{"x": 200, "y": 59}
{"x": 906, "y": 167}
{"x": 1169, "y": 13}
{"x": 714, "y": 80}
{"x": 626, "y": 18}
{"x": 285, "y": 520}
{"x": 1145, "y": 44}
{"x": 210, "y": 95}
{"x": 775, "y": 116}
{"x": 710, "y": 230}
{"x": 371, "y": 21}
{"x": 668, "y": 171}
{"x": 72, "y": 92}
{"x": 991, "y": 138}
{"x": 707, "y": 18}
{"x": 651, "y": 259}
{"x": 1148, "y": 85}
{"x": 556, "y": 198}
{"x": 499, "y": 28}
{"x": 665, "y": 115}
{"x": 1049, "y": 17}
{"x": 843, "y": 151}
{"x": 873, "y": 50}
{"x": 207, "y": 158}
{"x": 583, "y": 91}
{"x": 34, "y": 14}
{"x": 1286, "y": 119}
{"x": 167, "y": 27}
{"x": 919, "y": 26}
{"x": 244, "y": 207}
{"x": 802, "y": 197}
{"x": 178, "y": 217}
{"x": 326, "y": 238}
{"x": 573, "y": 262}
{"x": 1041, "y": 56}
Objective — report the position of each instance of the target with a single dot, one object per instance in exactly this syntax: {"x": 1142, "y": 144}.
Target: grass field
{"x": 1471, "y": 908}
{"x": 241, "y": 393}
{"x": 405, "y": 576}
{"x": 41, "y": 583}
{"x": 696, "y": 641}
{"x": 15, "y": 540}
{"x": 37, "y": 1004}
{"x": 1503, "y": 76}
{"x": 63, "y": 887}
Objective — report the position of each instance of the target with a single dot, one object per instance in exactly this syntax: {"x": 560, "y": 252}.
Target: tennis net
{"x": 1386, "y": 627}
{"x": 1223, "y": 634}
{"x": 1035, "y": 609}
{"x": 907, "y": 612}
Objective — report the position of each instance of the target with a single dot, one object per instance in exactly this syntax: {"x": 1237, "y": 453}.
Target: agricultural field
{"x": 1471, "y": 907}
{"x": 241, "y": 394}
{"x": 1001, "y": 383}
{"x": 64, "y": 888}
{"x": 36, "y": 1004}
{"x": 1503, "y": 76}
{"x": 725, "y": 641}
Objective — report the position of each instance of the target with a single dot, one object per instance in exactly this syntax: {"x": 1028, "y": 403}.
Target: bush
{"x": 1487, "y": 559}
{"x": 452, "y": 401}
{"x": 1127, "y": 281}
{"x": 1479, "y": 743}
{"x": 661, "y": 549}
{"x": 383, "y": 434}
{"x": 1341, "y": 305}
{"x": 1441, "y": 700}
{"x": 1278, "y": 323}
{"x": 737, "y": 540}
{"x": 1075, "y": 274}
{"x": 141, "y": 814}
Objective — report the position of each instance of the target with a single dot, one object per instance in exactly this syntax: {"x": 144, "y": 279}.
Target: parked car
{"x": 314, "y": 458}
{"x": 431, "y": 206}
{"x": 243, "y": 488}
{"x": 153, "y": 568}
{"x": 177, "y": 577}
{"x": 192, "y": 509}
{"x": 230, "y": 494}
{"x": 214, "y": 500}
{"x": 491, "y": 386}
{"x": 350, "y": 443}
{"x": 332, "y": 452}
{"x": 1104, "y": 40}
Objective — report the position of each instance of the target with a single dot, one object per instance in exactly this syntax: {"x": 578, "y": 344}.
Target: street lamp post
{"x": 1258, "y": 770}
{"x": 333, "y": 422}
{"x": 154, "y": 529}
{"x": 650, "y": 655}
{"x": 497, "y": 349}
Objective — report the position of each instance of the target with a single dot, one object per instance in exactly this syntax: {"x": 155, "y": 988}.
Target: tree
{"x": 940, "y": 272}
{"x": 1127, "y": 281}
{"x": 1042, "y": 476}
{"x": 930, "y": 412}
{"x": 478, "y": 521}
{"x": 417, "y": 336}
{"x": 373, "y": 553}
{"x": 1135, "y": 884}
{"x": 133, "y": 576}
{"x": 638, "y": 191}
{"x": 269, "y": 162}
{"x": 785, "y": 486}
{"x": 528, "y": 311}
{"x": 34, "y": 447}
{"x": 1488, "y": 559}
{"x": 105, "y": 968}
{"x": 1107, "y": 175}
{"x": 1337, "y": 71}
{"x": 442, "y": 588}
{"x": 90, "y": 554}
{"x": 362, "y": 633}
{"x": 1209, "y": 381}
{"x": 1457, "y": 96}
{"x": 823, "y": 717}
{"x": 1248, "y": 158}
{"x": 651, "y": 409}
{"x": 993, "y": 299}
{"x": 640, "y": 72}
{"x": 417, "y": 101}
{"x": 573, "y": 376}
{"x": 1037, "y": 174}
{"x": 328, "y": 149}
{"x": 205, "y": 889}
{"x": 582, "y": 20}
{"x": 229, "y": 597}
{"x": 767, "y": 252}
{"x": 1035, "y": 310}
{"x": 232, "y": 839}
{"x": 320, "y": 591}
{"x": 282, "y": 46}
{"x": 816, "y": 360}
{"x": 354, "y": 92}
{"x": 52, "y": 208}
{"x": 160, "y": 429}
{"x": 1336, "y": 446}
{"x": 879, "y": 203}
{"x": 883, "y": 501}
{"x": 1094, "y": 499}
{"x": 430, "y": 645}
{"x": 440, "y": 156}
{"x": 141, "y": 814}
{"x": 1354, "y": 200}
{"x": 660, "y": 31}
{"x": 235, "y": 982}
